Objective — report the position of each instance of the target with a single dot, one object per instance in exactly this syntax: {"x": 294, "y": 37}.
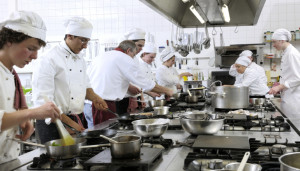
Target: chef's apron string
{"x": 78, "y": 120}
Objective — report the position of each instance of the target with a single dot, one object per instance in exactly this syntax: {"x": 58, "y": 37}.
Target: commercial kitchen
{"x": 208, "y": 124}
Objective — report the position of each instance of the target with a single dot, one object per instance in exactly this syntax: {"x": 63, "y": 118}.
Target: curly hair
{"x": 9, "y": 35}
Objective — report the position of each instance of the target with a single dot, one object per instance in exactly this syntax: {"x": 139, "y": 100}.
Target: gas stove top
{"x": 45, "y": 162}
{"x": 264, "y": 153}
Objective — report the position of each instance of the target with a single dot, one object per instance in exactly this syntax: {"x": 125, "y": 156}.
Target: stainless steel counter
{"x": 173, "y": 159}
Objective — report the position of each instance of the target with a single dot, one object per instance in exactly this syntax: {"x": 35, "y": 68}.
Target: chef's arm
{"x": 185, "y": 74}
{"x": 98, "y": 102}
{"x": 9, "y": 120}
{"x": 152, "y": 94}
{"x": 160, "y": 89}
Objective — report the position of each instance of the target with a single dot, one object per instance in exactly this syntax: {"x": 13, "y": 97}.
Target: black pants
{"x": 122, "y": 106}
{"x": 50, "y": 132}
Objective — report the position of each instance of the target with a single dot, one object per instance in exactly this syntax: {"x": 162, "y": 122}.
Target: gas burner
{"x": 166, "y": 143}
{"x": 45, "y": 162}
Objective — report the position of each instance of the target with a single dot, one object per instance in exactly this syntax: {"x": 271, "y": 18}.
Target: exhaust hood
{"x": 242, "y": 12}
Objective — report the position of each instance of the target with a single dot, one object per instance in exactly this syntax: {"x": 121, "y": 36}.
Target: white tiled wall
{"x": 112, "y": 18}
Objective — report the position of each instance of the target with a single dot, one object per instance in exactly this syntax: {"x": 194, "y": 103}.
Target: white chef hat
{"x": 166, "y": 54}
{"x": 78, "y": 26}
{"x": 282, "y": 34}
{"x": 149, "y": 48}
{"x": 135, "y": 34}
{"x": 26, "y": 22}
{"x": 243, "y": 60}
{"x": 246, "y": 53}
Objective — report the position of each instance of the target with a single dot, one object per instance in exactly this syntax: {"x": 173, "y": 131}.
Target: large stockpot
{"x": 155, "y": 103}
{"x": 290, "y": 162}
{"x": 197, "y": 124}
{"x": 230, "y": 97}
{"x": 128, "y": 146}
{"x": 150, "y": 127}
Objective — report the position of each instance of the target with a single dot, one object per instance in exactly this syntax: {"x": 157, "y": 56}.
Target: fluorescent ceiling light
{"x": 225, "y": 12}
{"x": 195, "y": 12}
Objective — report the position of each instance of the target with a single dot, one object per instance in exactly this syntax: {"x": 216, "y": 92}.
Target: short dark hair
{"x": 12, "y": 36}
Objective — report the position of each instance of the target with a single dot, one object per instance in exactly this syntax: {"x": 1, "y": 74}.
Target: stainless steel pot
{"x": 70, "y": 151}
{"x": 155, "y": 103}
{"x": 161, "y": 110}
{"x": 191, "y": 99}
{"x": 248, "y": 167}
{"x": 230, "y": 97}
{"x": 199, "y": 92}
{"x": 257, "y": 101}
{"x": 128, "y": 146}
{"x": 150, "y": 127}
{"x": 290, "y": 162}
{"x": 197, "y": 124}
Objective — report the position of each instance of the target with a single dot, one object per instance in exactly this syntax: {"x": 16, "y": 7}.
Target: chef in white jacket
{"x": 253, "y": 65}
{"x": 136, "y": 35}
{"x": 166, "y": 74}
{"x": 251, "y": 78}
{"x": 22, "y": 35}
{"x": 147, "y": 57}
{"x": 61, "y": 76}
{"x": 290, "y": 74}
{"x": 111, "y": 74}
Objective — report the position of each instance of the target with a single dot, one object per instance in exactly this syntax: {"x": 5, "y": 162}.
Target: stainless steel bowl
{"x": 248, "y": 167}
{"x": 155, "y": 103}
{"x": 161, "y": 110}
{"x": 196, "y": 124}
{"x": 290, "y": 162}
{"x": 150, "y": 127}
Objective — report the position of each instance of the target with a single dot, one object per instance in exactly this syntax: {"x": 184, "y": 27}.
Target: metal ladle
{"x": 109, "y": 139}
{"x": 189, "y": 92}
{"x": 117, "y": 115}
{"x": 244, "y": 161}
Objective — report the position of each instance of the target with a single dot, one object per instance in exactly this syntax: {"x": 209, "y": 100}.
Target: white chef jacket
{"x": 167, "y": 77}
{"x": 9, "y": 149}
{"x": 111, "y": 74}
{"x": 260, "y": 70}
{"x": 290, "y": 78}
{"x": 238, "y": 77}
{"x": 145, "y": 69}
{"x": 61, "y": 75}
{"x": 251, "y": 79}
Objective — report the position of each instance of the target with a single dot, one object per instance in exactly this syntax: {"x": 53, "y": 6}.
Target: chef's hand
{"x": 48, "y": 110}
{"x": 153, "y": 94}
{"x": 169, "y": 92}
{"x": 185, "y": 74}
{"x": 27, "y": 130}
{"x": 99, "y": 103}
{"x": 276, "y": 89}
{"x": 178, "y": 86}
{"x": 133, "y": 89}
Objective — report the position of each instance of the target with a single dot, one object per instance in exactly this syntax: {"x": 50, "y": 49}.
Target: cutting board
{"x": 222, "y": 142}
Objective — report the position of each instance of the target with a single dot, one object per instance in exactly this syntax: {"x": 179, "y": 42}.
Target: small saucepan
{"x": 64, "y": 152}
{"x": 191, "y": 99}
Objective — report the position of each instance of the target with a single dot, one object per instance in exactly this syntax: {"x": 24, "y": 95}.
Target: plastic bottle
{"x": 293, "y": 38}
{"x": 268, "y": 36}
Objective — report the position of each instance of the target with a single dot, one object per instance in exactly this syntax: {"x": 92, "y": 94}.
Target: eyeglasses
{"x": 140, "y": 45}
{"x": 84, "y": 41}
